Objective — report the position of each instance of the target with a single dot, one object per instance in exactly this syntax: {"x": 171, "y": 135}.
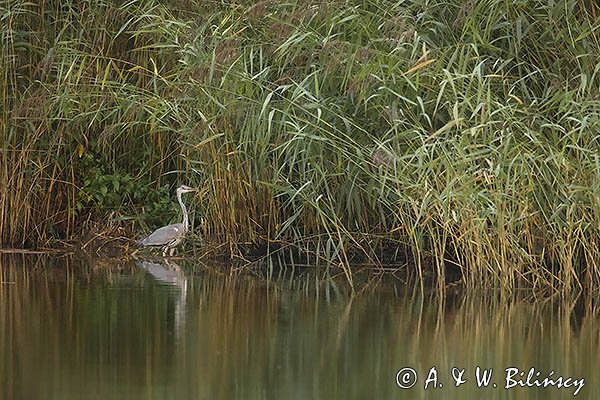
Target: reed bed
{"x": 462, "y": 136}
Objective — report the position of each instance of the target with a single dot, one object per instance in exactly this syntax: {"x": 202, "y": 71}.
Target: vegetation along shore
{"x": 459, "y": 136}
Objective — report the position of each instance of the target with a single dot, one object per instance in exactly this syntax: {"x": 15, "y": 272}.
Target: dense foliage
{"x": 463, "y": 133}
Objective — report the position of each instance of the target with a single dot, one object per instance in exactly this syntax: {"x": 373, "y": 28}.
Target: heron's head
{"x": 185, "y": 189}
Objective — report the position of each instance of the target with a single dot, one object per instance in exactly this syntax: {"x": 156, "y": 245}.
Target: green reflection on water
{"x": 82, "y": 330}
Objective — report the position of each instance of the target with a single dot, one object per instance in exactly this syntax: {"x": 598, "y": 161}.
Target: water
{"x": 75, "y": 329}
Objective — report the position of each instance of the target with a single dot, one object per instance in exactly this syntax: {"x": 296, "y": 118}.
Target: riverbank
{"x": 460, "y": 135}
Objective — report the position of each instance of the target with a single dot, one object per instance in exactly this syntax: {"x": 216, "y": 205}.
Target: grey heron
{"x": 171, "y": 235}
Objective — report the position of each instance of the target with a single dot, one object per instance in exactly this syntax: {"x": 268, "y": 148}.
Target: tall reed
{"x": 460, "y": 134}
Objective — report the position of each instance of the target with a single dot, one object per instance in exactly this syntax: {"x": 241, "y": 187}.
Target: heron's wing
{"x": 163, "y": 236}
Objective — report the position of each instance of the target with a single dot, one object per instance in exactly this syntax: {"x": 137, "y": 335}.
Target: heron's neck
{"x": 183, "y": 211}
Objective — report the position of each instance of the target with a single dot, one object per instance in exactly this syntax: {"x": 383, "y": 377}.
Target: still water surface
{"x": 74, "y": 329}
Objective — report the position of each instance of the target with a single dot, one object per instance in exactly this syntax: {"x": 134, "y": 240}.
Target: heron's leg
{"x": 164, "y": 253}
{"x": 172, "y": 251}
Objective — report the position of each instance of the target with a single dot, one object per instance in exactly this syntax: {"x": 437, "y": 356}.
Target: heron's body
{"x": 171, "y": 235}
{"x": 158, "y": 237}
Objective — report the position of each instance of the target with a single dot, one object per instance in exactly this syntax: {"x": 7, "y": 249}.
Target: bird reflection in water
{"x": 168, "y": 272}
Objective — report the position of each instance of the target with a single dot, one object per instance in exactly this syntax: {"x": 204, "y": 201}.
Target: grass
{"x": 462, "y": 135}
